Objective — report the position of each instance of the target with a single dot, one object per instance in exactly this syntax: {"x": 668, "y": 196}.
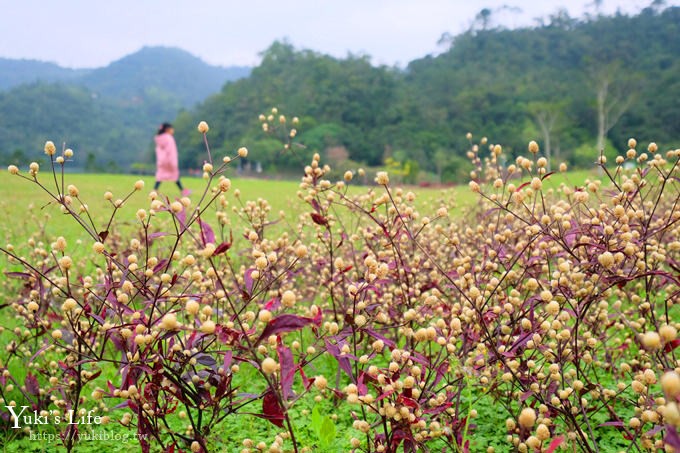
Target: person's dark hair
{"x": 164, "y": 128}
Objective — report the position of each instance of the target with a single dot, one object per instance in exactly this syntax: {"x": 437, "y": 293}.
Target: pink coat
{"x": 167, "y": 166}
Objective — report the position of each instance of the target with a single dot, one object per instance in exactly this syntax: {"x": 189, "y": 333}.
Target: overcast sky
{"x": 93, "y": 33}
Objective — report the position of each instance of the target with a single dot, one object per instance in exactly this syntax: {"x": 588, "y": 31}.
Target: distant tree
{"x": 614, "y": 96}
{"x": 547, "y": 116}
{"x": 483, "y": 18}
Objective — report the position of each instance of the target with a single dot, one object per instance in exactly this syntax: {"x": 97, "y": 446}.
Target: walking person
{"x": 167, "y": 159}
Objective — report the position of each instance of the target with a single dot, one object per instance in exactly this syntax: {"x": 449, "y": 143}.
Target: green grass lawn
{"x": 27, "y": 207}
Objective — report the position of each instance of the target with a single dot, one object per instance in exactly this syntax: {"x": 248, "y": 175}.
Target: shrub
{"x": 555, "y": 304}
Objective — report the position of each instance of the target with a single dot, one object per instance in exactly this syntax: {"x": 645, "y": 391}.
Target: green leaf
{"x": 316, "y": 421}
{"x": 327, "y": 434}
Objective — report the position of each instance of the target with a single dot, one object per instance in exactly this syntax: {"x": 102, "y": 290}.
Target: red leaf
{"x": 271, "y": 409}
{"x": 406, "y": 401}
{"x": 319, "y": 219}
{"x": 223, "y": 247}
{"x": 306, "y": 382}
{"x": 671, "y": 345}
{"x": 103, "y": 235}
{"x": 285, "y": 323}
{"x": 556, "y": 442}
{"x": 272, "y": 304}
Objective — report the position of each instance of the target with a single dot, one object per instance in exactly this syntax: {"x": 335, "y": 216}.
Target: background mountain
{"x": 152, "y": 69}
{"x": 108, "y": 115}
{"x": 574, "y": 85}
{"x": 19, "y": 72}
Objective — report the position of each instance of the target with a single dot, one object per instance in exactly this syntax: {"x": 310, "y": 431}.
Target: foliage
{"x": 556, "y": 306}
{"x": 492, "y": 79}
{"x": 110, "y": 111}
{"x": 540, "y": 83}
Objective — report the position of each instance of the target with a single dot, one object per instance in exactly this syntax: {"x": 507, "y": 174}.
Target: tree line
{"x": 576, "y": 86}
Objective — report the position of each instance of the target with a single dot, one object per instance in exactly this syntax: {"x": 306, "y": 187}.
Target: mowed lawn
{"x": 27, "y": 208}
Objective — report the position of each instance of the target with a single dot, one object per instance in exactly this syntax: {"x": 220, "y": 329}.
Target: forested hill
{"x": 513, "y": 86}
{"x": 574, "y": 85}
{"x": 154, "y": 69}
{"x": 169, "y": 69}
{"x": 107, "y": 115}
{"x": 18, "y": 72}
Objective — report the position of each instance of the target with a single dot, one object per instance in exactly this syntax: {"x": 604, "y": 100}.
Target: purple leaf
{"x": 161, "y": 264}
{"x": 286, "y": 323}
{"x": 97, "y": 318}
{"x": 32, "y": 385}
{"x": 526, "y": 395}
{"x": 227, "y": 362}
{"x": 287, "y": 370}
{"x": 18, "y": 274}
{"x": 46, "y": 346}
{"x": 205, "y": 359}
{"x": 157, "y": 235}
{"x": 672, "y": 438}
{"x": 248, "y": 279}
{"x": 182, "y": 217}
{"x": 207, "y": 233}
{"x": 343, "y": 361}
{"x": 618, "y": 424}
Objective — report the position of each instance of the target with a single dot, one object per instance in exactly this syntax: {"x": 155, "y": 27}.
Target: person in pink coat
{"x": 167, "y": 160}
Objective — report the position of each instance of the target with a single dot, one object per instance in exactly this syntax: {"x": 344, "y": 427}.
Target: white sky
{"x": 93, "y": 33}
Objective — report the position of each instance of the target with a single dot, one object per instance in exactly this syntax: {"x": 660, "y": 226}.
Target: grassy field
{"x": 27, "y": 208}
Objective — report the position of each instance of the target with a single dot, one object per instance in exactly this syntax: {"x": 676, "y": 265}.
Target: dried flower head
{"x": 50, "y": 149}
{"x": 533, "y": 147}
{"x": 169, "y": 322}
{"x": 382, "y": 178}
{"x": 670, "y": 383}
{"x": 527, "y": 418}
{"x": 269, "y": 365}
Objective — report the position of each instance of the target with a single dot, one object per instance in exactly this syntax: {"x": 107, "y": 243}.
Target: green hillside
{"x": 574, "y": 85}
{"x": 108, "y": 114}
{"x": 512, "y": 86}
